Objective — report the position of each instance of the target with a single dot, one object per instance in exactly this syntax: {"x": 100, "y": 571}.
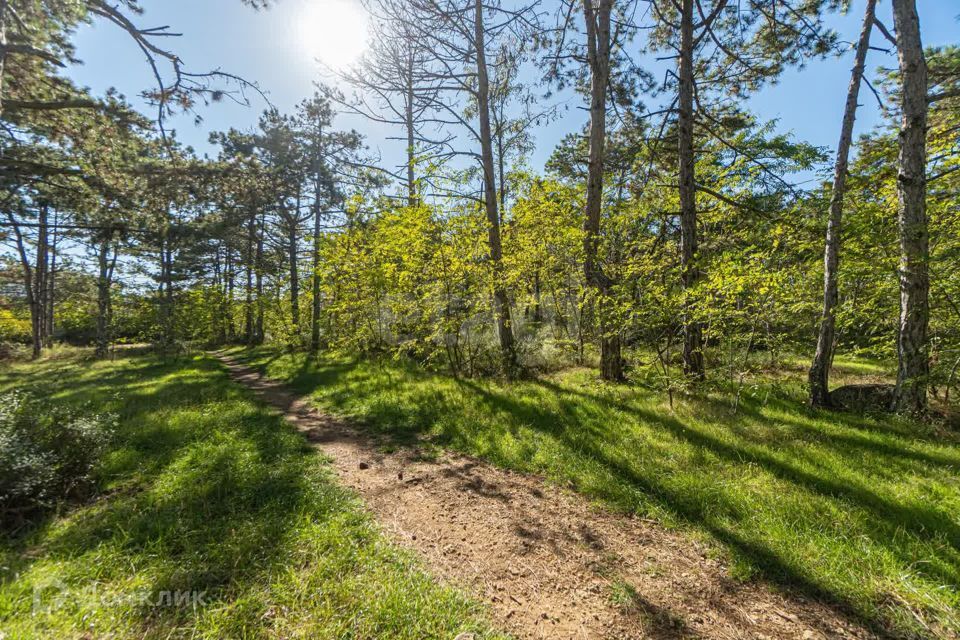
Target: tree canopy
{"x": 671, "y": 238}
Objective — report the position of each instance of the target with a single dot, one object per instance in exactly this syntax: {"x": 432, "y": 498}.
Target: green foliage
{"x": 77, "y": 319}
{"x": 411, "y": 282}
{"x": 13, "y": 328}
{"x": 48, "y": 453}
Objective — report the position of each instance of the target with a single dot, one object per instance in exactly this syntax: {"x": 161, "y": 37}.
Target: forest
{"x": 694, "y": 377}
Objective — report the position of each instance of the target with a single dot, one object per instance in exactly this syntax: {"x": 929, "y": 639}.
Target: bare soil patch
{"x": 548, "y": 563}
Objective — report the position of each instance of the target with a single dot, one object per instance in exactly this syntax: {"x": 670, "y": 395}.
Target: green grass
{"x": 862, "y": 511}
{"x": 207, "y": 491}
{"x": 846, "y": 369}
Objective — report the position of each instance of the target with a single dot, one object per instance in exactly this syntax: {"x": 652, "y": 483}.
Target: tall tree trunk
{"x": 294, "y": 279}
{"x": 912, "y": 345}
{"x": 228, "y": 297}
{"x": 166, "y": 296}
{"x": 823, "y": 358}
{"x": 693, "y": 364}
{"x": 104, "y": 306}
{"x": 598, "y": 55}
{"x": 168, "y": 300}
{"x": 315, "y": 312}
{"x": 320, "y": 164}
{"x": 409, "y": 100}
{"x": 51, "y": 284}
{"x": 4, "y": 10}
{"x": 501, "y": 172}
{"x": 28, "y": 280}
{"x": 218, "y": 326}
{"x": 248, "y": 306}
{"x": 259, "y": 335}
{"x": 161, "y": 319}
{"x": 537, "y": 295}
{"x": 501, "y": 300}
{"x": 40, "y": 283}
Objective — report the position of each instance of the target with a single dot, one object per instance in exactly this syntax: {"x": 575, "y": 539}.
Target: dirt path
{"x": 549, "y": 564}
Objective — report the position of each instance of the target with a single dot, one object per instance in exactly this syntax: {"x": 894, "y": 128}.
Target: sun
{"x": 334, "y": 32}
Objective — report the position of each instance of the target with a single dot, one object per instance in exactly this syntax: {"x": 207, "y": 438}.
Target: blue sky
{"x": 275, "y": 49}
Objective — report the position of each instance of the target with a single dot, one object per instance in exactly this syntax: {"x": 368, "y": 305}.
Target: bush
{"x": 47, "y": 454}
{"x": 12, "y": 328}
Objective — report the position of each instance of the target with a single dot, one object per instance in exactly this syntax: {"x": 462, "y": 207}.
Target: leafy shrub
{"x": 13, "y": 328}
{"x": 47, "y": 454}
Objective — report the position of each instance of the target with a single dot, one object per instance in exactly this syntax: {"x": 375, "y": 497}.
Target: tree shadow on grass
{"x": 889, "y": 518}
{"x": 886, "y": 433}
{"x": 341, "y": 383}
{"x": 203, "y": 501}
{"x": 250, "y": 358}
{"x": 210, "y": 519}
{"x": 585, "y": 425}
{"x": 656, "y": 621}
{"x": 919, "y": 519}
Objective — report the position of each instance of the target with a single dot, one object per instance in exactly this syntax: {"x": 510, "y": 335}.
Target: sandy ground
{"x": 547, "y": 562}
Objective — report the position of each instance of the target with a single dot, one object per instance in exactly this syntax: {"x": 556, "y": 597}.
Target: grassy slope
{"x": 864, "y": 511}
{"x": 206, "y": 490}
